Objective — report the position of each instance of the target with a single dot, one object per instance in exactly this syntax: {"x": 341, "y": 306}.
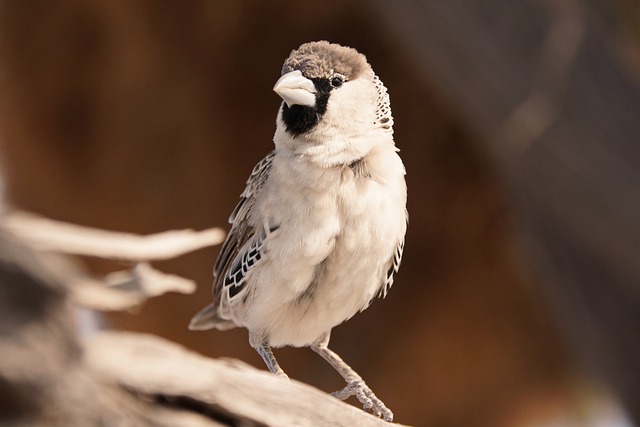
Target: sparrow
{"x": 319, "y": 229}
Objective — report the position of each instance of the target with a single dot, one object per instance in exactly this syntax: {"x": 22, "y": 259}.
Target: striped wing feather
{"x": 241, "y": 249}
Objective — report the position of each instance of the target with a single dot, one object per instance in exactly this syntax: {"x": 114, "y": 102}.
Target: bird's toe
{"x": 365, "y": 395}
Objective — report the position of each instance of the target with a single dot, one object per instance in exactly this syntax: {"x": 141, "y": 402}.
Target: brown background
{"x": 146, "y": 116}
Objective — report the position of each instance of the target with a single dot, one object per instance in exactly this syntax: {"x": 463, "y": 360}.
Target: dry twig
{"x": 49, "y": 235}
{"x": 119, "y": 290}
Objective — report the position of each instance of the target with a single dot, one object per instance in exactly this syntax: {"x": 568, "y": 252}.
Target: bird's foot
{"x": 366, "y": 396}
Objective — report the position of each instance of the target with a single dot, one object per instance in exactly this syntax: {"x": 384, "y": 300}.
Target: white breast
{"x": 328, "y": 258}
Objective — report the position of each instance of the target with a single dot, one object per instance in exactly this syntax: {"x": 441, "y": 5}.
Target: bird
{"x": 319, "y": 230}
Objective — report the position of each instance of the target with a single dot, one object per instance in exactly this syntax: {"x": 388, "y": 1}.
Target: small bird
{"x": 319, "y": 229}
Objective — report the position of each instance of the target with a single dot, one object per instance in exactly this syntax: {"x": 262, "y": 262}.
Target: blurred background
{"x": 518, "y": 125}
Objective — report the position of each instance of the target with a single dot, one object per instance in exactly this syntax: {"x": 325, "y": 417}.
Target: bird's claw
{"x": 365, "y": 395}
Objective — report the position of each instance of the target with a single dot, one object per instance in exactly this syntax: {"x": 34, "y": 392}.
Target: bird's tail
{"x": 208, "y": 318}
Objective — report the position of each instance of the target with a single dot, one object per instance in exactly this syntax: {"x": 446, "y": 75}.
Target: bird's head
{"x": 330, "y": 91}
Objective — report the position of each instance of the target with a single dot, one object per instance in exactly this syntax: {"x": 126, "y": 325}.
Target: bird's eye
{"x": 337, "y": 81}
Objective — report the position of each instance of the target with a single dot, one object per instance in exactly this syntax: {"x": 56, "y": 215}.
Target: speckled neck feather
{"x": 384, "y": 119}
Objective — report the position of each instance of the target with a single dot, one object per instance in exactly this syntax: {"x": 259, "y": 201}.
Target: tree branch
{"x": 119, "y": 290}
{"x": 163, "y": 371}
{"x": 48, "y": 235}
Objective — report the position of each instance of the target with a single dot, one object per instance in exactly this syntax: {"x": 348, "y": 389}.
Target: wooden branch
{"x": 160, "y": 370}
{"x": 121, "y": 290}
{"x": 48, "y": 235}
{"x": 127, "y": 289}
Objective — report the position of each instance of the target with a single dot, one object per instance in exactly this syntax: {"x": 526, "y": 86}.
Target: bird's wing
{"x": 393, "y": 266}
{"x": 241, "y": 249}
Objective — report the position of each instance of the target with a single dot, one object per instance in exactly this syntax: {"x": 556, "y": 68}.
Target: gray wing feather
{"x": 242, "y": 248}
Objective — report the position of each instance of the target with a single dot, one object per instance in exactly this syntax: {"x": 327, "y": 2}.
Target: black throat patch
{"x": 300, "y": 119}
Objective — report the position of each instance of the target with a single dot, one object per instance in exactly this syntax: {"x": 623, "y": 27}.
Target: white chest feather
{"x": 335, "y": 230}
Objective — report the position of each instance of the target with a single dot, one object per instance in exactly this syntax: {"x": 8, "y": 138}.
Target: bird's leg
{"x": 264, "y": 350}
{"x": 355, "y": 384}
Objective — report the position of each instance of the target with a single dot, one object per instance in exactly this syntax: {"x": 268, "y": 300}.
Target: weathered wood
{"x": 119, "y": 290}
{"x": 49, "y": 235}
{"x": 153, "y": 367}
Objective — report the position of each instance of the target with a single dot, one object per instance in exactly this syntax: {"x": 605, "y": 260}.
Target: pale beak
{"x": 296, "y": 89}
